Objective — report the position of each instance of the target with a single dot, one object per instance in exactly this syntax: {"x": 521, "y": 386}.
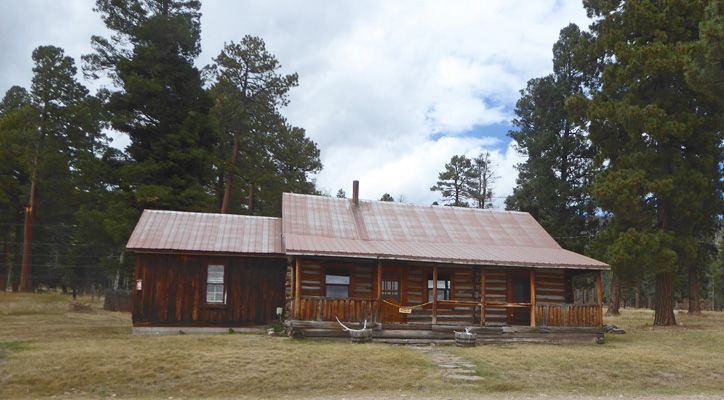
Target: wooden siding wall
{"x": 311, "y": 278}
{"x": 462, "y": 282}
{"x": 417, "y": 294}
{"x": 550, "y": 286}
{"x": 173, "y": 291}
{"x": 361, "y": 277}
{"x": 496, "y": 290}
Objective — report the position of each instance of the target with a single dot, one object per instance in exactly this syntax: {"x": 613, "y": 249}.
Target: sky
{"x": 389, "y": 90}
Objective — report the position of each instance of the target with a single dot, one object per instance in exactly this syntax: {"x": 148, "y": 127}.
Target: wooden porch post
{"x": 600, "y": 299}
{"x": 532, "y": 297}
{"x": 297, "y": 288}
{"x": 434, "y": 294}
{"x": 482, "y": 296}
{"x": 379, "y": 290}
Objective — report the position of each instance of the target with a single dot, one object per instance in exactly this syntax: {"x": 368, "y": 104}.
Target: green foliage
{"x": 341, "y": 194}
{"x": 272, "y": 156}
{"x": 657, "y": 124}
{"x": 454, "y": 181}
{"x": 551, "y": 183}
{"x": 387, "y": 197}
{"x": 162, "y": 105}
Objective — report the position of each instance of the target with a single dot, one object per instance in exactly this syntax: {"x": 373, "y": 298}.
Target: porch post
{"x": 600, "y": 299}
{"x": 297, "y": 289}
{"x": 482, "y": 296}
{"x": 532, "y": 297}
{"x": 379, "y": 290}
{"x": 434, "y": 294}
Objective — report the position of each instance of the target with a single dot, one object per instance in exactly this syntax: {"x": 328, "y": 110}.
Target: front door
{"x": 394, "y": 291}
{"x": 519, "y": 293}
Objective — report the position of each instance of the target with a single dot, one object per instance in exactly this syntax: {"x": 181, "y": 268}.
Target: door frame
{"x": 510, "y": 277}
{"x": 386, "y": 309}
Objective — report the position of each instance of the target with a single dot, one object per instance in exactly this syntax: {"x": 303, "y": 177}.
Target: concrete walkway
{"x": 452, "y": 367}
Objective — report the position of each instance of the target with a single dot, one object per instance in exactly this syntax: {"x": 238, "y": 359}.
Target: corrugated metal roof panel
{"x": 330, "y": 226}
{"x": 223, "y": 233}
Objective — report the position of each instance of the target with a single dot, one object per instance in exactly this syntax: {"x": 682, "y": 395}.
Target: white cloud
{"x": 388, "y": 89}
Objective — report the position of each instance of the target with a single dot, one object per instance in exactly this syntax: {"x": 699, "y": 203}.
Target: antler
{"x": 348, "y": 329}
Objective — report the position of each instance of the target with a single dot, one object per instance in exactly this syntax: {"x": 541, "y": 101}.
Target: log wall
{"x": 550, "y": 286}
{"x": 496, "y": 289}
{"x": 173, "y": 290}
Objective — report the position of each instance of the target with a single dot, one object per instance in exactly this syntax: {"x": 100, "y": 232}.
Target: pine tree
{"x": 454, "y": 181}
{"x": 257, "y": 145}
{"x": 659, "y": 135}
{"x": 552, "y": 180}
{"x": 161, "y": 104}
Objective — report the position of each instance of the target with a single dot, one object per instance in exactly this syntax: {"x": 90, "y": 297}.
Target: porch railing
{"x": 326, "y": 309}
{"x": 568, "y": 315}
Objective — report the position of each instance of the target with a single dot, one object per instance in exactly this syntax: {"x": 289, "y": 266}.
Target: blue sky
{"x": 389, "y": 90}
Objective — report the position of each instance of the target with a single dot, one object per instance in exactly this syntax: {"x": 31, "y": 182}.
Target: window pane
{"x": 216, "y": 274}
{"x": 336, "y": 279}
{"x": 337, "y": 291}
{"x": 214, "y": 293}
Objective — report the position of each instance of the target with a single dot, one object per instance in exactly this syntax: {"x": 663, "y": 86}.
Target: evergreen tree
{"x": 50, "y": 138}
{"x": 161, "y": 104}
{"x": 341, "y": 194}
{"x": 258, "y": 146}
{"x": 659, "y": 135}
{"x": 454, "y": 181}
{"x": 552, "y": 180}
{"x": 387, "y": 197}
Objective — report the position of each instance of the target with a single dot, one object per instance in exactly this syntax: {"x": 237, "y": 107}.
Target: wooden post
{"x": 532, "y": 297}
{"x": 297, "y": 289}
{"x": 379, "y": 291}
{"x": 482, "y": 296}
{"x": 434, "y": 294}
{"x": 600, "y": 299}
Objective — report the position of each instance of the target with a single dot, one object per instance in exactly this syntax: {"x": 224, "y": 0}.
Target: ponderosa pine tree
{"x": 161, "y": 104}
{"x": 454, "y": 181}
{"x": 551, "y": 182}
{"x": 257, "y": 145}
{"x": 50, "y": 139}
{"x": 659, "y": 135}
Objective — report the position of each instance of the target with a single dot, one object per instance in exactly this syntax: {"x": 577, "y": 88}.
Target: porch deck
{"x": 445, "y": 334}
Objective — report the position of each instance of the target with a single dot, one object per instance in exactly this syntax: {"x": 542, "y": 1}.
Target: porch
{"x": 417, "y": 302}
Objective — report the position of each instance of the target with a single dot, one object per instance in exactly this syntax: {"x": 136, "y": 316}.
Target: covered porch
{"x": 414, "y": 301}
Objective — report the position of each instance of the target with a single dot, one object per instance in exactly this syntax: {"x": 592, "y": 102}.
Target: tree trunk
{"x": 637, "y": 290}
{"x": 230, "y": 177}
{"x": 26, "y": 281}
{"x": 5, "y": 271}
{"x": 663, "y": 300}
{"x": 694, "y": 305}
{"x": 614, "y": 298}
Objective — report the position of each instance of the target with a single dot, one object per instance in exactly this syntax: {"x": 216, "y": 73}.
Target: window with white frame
{"x": 215, "y": 284}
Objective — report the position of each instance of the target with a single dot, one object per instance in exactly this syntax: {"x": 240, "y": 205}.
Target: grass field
{"x": 47, "y": 350}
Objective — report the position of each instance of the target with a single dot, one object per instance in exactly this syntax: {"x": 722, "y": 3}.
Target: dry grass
{"x": 47, "y": 350}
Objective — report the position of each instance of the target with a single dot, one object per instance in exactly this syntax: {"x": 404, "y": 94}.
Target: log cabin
{"x": 413, "y": 273}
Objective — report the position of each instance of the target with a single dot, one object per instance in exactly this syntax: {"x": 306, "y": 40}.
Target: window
{"x": 336, "y": 283}
{"x": 443, "y": 287}
{"x": 215, "y": 284}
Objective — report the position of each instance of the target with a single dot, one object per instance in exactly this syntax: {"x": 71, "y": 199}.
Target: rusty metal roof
{"x": 315, "y": 225}
{"x": 159, "y": 231}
